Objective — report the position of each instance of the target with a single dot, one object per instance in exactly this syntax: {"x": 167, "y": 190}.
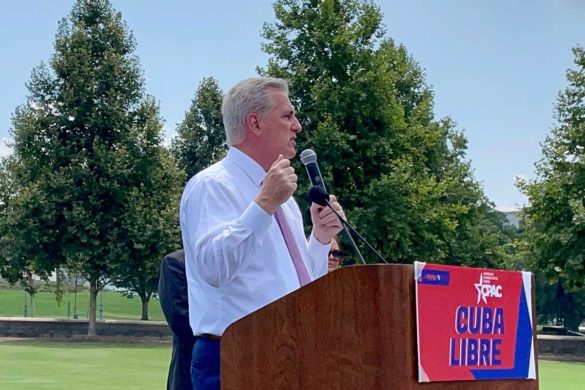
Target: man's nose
{"x": 297, "y": 127}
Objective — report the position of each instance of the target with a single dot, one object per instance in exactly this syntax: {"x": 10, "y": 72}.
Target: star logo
{"x": 487, "y": 289}
{"x": 478, "y": 287}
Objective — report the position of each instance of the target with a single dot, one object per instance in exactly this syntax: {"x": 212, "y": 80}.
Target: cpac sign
{"x": 473, "y": 324}
{"x": 485, "y": 288}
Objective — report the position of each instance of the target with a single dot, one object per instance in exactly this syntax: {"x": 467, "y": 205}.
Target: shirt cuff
{"x": 317, "y": 248}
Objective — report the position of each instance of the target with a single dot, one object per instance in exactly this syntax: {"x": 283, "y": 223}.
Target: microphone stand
{"x": 349, "y": 228}
{"x": 348, "y": 234}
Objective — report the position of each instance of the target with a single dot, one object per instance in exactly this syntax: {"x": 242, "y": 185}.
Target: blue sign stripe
{"x": 523, "y": 349}
{"x": 434, "y": 277}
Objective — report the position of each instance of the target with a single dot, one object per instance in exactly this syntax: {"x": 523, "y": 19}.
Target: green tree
{"x": 151, "y": 223}
{"x": 200, "y": 137}
{"x": 87, "y": 141}
{"x": 400, "y": 173}
{"x": 557, "y": 195}
{"x": 24, "y": 206}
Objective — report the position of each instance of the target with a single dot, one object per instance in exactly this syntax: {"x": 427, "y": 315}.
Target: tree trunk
{"x": 93, "y": 291}
{"x": 144, "y": 308}
{"x": 32, "y": 293}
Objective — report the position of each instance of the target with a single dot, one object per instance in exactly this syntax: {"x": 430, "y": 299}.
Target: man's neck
{"x": 255, "y": 153}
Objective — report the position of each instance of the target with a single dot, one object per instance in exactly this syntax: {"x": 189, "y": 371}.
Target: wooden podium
{"x": 354, "y": 328}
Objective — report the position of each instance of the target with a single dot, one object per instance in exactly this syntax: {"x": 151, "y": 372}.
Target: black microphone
{"x": 309, "y": 159}
{"x": 321, "y": 197}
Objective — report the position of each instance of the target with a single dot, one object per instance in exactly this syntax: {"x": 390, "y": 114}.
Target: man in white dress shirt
{"x": 242, "y": 230}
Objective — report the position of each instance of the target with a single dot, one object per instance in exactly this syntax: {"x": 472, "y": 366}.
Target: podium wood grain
{"x": 352, "y": 329}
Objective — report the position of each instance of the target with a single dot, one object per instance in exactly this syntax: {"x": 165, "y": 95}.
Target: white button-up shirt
{"x": 236, "y": 258}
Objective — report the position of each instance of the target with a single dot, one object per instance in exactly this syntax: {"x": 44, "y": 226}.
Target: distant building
{"x": 66, "y": 277}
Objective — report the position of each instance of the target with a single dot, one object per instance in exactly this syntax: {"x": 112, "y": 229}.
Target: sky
{"x": 495, "y": 66}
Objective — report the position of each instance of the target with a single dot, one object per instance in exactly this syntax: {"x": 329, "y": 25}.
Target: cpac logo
{"x": 485, "y": 289}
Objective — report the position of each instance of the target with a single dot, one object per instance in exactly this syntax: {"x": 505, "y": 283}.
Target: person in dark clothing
{"x": 172, "y": 292}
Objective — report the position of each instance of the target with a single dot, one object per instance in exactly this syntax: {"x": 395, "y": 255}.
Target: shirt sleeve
{"x": 318, "y": 254}
{"x": 223, "y": 237}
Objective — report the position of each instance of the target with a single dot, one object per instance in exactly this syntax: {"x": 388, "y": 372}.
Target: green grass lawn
{"x": 561, "y": 375}
{"x": 115, "y": 306}
{"x": 88, "y": 366}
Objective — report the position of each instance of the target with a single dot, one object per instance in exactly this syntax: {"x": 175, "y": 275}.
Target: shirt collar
{"x": 250, "y": 167}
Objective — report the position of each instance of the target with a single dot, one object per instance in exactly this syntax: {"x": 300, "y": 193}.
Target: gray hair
{"x": 249, "y": 95}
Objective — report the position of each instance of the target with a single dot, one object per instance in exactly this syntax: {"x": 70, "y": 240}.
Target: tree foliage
{"x": 367, "y": 111}
{"x": 200, "y": 137}
{"x": 151, "y": 228}
{"x": 88, "y": 159}
{"x": 557, "y": 195}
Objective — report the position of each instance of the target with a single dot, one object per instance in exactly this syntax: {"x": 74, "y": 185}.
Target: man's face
{"x": 334, "y": 258}
{"x": 281, "y": 127}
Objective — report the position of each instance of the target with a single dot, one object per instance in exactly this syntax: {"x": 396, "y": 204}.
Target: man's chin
{"x": 291, "y": 153}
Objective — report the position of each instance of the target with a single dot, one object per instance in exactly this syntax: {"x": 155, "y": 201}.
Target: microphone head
{"x": 308, "y": 156}
{"x": 318, "y": 195}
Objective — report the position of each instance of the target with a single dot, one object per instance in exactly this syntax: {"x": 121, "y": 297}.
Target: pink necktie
{"x": 293, "y": 249}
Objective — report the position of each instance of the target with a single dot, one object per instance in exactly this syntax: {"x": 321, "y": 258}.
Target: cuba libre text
{"x": 471, "y": 349}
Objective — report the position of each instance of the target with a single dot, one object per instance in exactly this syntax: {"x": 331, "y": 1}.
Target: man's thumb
{"x": 280, "y": 158}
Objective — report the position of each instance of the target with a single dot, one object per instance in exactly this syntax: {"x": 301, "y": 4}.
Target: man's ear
{"x": 253, "y": 123}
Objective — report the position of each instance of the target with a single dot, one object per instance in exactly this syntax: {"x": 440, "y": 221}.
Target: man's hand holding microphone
{"x": 280, "y": 184}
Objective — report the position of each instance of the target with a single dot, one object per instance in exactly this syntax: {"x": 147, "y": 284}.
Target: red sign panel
{"x": 473, "y": 323}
